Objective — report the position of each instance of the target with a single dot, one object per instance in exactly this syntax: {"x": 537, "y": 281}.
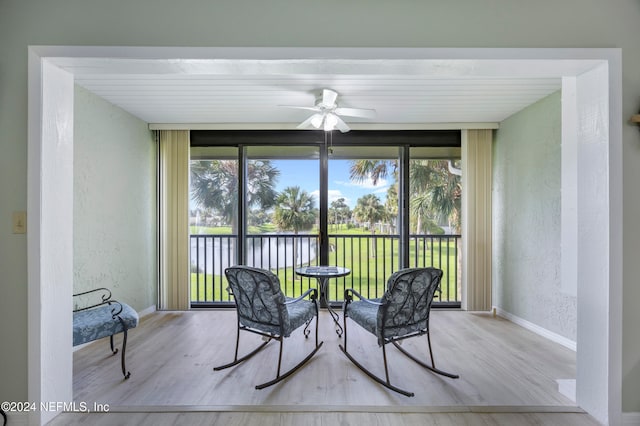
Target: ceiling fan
{"x": 328, "y": 113}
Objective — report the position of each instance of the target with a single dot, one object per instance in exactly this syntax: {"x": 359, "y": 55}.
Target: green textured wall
{"x": 353, "y": 23}
{"x": 526, "y": 219}
{"x": 114, "y": 206}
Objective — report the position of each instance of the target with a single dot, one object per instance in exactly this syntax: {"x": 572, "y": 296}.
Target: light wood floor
{"x": 507, "y": 376}
{"x": 324, "y": 419}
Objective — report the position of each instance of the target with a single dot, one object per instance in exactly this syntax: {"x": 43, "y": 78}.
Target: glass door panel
{"x": 213, "y": 221}
{"x": 363, "y": 217}
{"x": 435, "y": 192}
{"x": 283, "y": 186}
{"x": 277, "y": 225}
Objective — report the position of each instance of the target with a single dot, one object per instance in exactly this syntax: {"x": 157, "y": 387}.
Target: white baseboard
{"x": 151, "y": 309}
{"x": 567, "y": 387}
{"x": 631, "y": 419}
{"x": 554, "y": 337}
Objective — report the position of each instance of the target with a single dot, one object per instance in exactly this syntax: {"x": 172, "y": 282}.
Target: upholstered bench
{"x": 102, "y": 318}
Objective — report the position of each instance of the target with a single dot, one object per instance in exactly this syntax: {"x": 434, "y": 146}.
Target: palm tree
{"x": 369, "y": 209}
{"x": 295, "y": 211}
{"x": 435, "y": 192}
{"x": 391, "y": 205}
{"x": 214, "y": 185}
{"x": 339, "y": 211}
{"x": 361, "y": 170}
{"x": 432, "y": 188}
{"x": 375, "y": 170}
{"x": 438, "y": 195}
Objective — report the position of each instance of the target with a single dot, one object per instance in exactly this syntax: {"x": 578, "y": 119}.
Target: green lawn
{"x": 352, "y": 248}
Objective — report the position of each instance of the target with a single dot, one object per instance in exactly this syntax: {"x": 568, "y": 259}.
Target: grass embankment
{"x": 370, "y": 264}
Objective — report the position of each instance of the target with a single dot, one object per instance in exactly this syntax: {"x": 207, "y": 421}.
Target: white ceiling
{"x": 250, "y": 93}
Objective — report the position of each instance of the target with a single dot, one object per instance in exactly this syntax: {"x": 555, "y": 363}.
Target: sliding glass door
{"x": 214, "y": 220}
{"x": 435, "y": 219}
{"x": 363, "y": 217}
{"x": 282, "y": 211}
{"x": 373, "y": 208}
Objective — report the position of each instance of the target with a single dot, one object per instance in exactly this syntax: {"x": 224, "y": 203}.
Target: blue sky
{"x": 305, "y": 174}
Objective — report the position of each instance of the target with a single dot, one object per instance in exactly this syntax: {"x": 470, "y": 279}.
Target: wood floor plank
{"x": 322, "y": 419}
{"x": 171, "y": 356}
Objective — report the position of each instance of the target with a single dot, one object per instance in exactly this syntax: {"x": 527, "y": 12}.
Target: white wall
{"x": 114, "y": 203}
{"x": 51, "y": 224}
{"x": 403, "y": 23}
{"x": 527, "y": 219}
{"x": 600, "y": 200}
{"x": 594, "y": 271}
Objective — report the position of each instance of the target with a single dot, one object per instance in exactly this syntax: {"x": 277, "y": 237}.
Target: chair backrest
{"x": 407, "y": 302}
{"x": 259, "y": 299}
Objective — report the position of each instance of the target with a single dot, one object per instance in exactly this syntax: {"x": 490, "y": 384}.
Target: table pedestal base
{"x": 324, "y": 284}
{"x": 322, "y": 274}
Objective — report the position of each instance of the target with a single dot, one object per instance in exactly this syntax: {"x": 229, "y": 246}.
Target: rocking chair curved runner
{"x": 401, "y": 313}
{"x": 263, "y": 309}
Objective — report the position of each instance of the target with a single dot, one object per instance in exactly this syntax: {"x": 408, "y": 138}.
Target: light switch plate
{"x": 19, "y": 222}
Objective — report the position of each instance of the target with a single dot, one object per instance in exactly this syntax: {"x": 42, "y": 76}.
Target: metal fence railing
{"x": 371, "y": 259}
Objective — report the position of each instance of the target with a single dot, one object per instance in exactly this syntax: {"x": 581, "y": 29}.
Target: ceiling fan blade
{"x": 341, "y": 125}
{"x": 356, "y": 112}
{"x": 329, "y": 98}
{"x": 308, "y": 122}
{"x": 301, "y": 107}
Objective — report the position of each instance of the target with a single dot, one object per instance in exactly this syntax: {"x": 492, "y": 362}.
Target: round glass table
{"x": 323, "y": 274}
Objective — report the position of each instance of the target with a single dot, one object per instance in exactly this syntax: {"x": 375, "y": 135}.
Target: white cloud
{"x": 333, "y": 195}
{"x": 365, "y": 183}
{"x": 316, "y": 196}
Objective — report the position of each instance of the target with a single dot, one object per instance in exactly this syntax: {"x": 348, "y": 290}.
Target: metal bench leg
{"x": 113, "y": 350}
{"x": 126, "y": 373}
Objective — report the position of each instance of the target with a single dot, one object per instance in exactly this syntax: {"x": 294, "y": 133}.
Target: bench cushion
{"x": 97, "y": 323}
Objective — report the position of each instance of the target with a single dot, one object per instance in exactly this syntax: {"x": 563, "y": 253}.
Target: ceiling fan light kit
{"x": 327, "y": 113}
{"x": 330, "y": 121}
{"x": 316, "y": 120}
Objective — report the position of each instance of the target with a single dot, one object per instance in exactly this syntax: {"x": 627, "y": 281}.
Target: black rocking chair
{"x": 401, "y": 313}
{"x": 263, "y": 309}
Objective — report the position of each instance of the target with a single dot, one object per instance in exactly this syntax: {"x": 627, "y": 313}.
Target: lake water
{"x": 268, "y": 252}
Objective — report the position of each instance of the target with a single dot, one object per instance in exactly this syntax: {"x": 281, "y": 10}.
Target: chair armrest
{"x": 312, "y": 291}
{"x": 104, "y": 295}
{"x": 348, "y": 297}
